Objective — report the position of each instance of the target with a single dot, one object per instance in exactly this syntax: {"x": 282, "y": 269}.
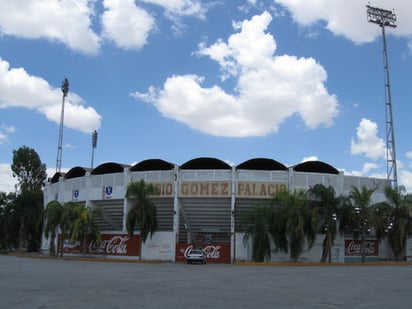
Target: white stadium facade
{"x": 200, "y": 203}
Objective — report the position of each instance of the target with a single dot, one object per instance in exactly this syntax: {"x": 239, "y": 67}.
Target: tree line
{"x": 294, "y": 218}
{"x": 290, "y": 224}
{"x": 23, "y": 217}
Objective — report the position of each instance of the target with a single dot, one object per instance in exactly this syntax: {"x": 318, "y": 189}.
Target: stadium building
{"x": 200, "y": 203}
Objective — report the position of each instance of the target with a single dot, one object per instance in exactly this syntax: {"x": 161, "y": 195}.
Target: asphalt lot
{"x": 28, "y": 282}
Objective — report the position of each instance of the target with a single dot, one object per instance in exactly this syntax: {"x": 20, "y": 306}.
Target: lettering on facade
{"x": 117, "y": 245}
{"x": 163, "y": 189}
{"x": 206, "y": 189}
{"x": 259, "y": 189}
{"x": 110, "y": 244}
{"x": 354, "y": 247}
{"x": 210, "y": 251}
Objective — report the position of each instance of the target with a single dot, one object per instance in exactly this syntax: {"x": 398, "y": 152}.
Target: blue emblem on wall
{"x": 108, "y": 190}
{"x": 76, "y": 194}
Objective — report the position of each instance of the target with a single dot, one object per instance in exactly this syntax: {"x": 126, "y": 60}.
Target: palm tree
{"x": 358, "y": 216}
{"x": 143, "y": 211}
{"x": 71, "y": 211}
{"x": 398, "y": 214}
{"x": 296, "y": 222}
{"x": 84, "y": 226}
{"x": 327, "y": 206}
{"x": 53, "y": 217}
{"x": 257, "y": 220}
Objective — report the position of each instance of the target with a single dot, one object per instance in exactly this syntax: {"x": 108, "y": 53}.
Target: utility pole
{"x": 385, "y": 18}
{"x": 65, "y": 90}
{"x": 94, "y": 145}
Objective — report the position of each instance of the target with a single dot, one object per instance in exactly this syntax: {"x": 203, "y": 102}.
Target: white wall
{"x": 160, "y": 247}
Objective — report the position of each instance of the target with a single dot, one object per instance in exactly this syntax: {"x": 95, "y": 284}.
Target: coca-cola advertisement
{"x": 353, "y": 247}
{"x": 215, "y": 252}
{"x": 110, "y": 244}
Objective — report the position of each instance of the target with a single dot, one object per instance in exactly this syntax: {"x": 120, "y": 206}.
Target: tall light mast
{"x": 385, "y": 18}
{"x": 65, "y": 90}
{"x": 94, "y": 145}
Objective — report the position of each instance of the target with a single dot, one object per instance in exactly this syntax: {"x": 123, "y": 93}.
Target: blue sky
{"x": 290, "y": 80}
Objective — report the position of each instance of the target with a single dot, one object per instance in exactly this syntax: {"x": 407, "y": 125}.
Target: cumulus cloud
{"x": 405, "y": 178}
{"x": 348, "y": 18}
{"x": 181, "y": 7}
{"x": 269, "y": 88}
{"x": 310, "y": 158}
{"x": 5, "y": 131}
{"x": 19, "y": 89}
{"x": 67, "y": 22}
{"x": 125, "y": 24}
{"x": 7, "y": 181}
{"x": 368, "y": 142}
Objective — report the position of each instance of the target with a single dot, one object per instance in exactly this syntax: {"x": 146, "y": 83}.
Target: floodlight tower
{"x": 94, "y": 145}
{"x": 385, "y": 18}
{"x": 65, "y": 90}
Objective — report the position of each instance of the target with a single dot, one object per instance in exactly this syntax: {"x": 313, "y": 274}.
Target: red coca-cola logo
{"x": 116, "y": 245}
{"x": 354, "y": 247}
{"x": 210, "y": 251}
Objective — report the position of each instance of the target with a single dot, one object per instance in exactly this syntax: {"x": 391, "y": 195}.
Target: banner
{"x": 111, "y": 244}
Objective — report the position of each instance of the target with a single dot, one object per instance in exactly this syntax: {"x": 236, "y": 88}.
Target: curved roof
{"x": 56, "y": 177}
{"x": 262, "y": 164}
{"x": 77, "y": 171}
{"x": 109, "y": 168}
{"x": 152, "y": 165}
{"x": 205, "y": 164}
{"x": 315, "y": 167}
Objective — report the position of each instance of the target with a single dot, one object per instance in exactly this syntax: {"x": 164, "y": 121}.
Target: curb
{"x": 279, "y": 264}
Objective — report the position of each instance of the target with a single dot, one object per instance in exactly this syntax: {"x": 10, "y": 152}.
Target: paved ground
{"x": 54, "y": 283}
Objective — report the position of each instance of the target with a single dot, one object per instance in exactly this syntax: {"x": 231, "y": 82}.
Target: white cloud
{"x": 348, "y": 18}
{"x": 67, "y": 22}
{"x": 5, "y": 131}
{"x": 368, "y": 142}
{"x": 125, "y": 24}
{"x": 310, "y": 158}
{"x": 406, "y": 180}
{"x": 7, "y": 181}
{"x": 181, "y": 7}
{"x": 19, "y": 89}
{"x": 270, "y": 89}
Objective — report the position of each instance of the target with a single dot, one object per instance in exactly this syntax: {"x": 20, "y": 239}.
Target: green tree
{"x": 143, "y": 212}
{"x": 257, "y": 220}
{"x": 327, "y": 206}
{"x": 358, "y": 216}
{"x": 396, "y": 214}
{"x": 53, "y": 216}
{"x": 83, "y": 227}
{"x": 294, "y": 221}
{"x": 8, "y": 218}
{"x": 31, "y": 175}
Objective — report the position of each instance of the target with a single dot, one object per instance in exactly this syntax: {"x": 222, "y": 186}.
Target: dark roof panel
{"x": 315, "y": 167}
{"x": 75, "y": 172}
{"x": 152, "y": 165}
{"x": 56, "y": 177}
{"x": 109, "y": 168}
{"x": 205, "y": 164}
{"x": 262, "y": 164}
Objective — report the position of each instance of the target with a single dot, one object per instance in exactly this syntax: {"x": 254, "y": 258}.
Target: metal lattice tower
{"x": 385, "y": 18}
{"x": 94, "y": 145}
{"x": 65, "y": 90}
